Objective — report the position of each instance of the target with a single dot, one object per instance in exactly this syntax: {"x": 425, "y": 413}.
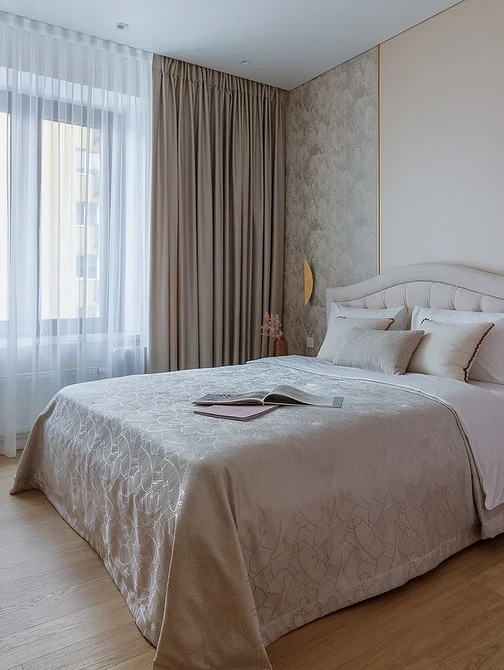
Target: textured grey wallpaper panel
{"x": 331, "y": 191}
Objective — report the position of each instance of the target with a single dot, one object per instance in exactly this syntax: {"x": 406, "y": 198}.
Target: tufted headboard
{"x": 437, "y": 285}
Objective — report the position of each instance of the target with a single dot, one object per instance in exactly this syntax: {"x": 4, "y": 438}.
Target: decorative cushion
{"x": 378, "y": 350}
{"x": 488, "y": 365}
{"x": 399, "y": 314}
{"x": 339, "y": 329}
{"x": 448, "y": 351}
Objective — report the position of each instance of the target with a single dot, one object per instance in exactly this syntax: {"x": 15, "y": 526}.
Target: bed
{"x": 223, "y": 536}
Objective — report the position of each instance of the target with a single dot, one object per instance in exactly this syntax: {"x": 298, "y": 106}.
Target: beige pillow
{"x": 381, "y": 351}
{"x": 339, "y": 329}
{"x": 488, "y": 365}
{"x": 448, "y": 350}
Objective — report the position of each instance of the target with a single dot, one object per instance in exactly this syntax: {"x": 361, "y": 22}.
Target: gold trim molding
{"x": 378, "y": 166}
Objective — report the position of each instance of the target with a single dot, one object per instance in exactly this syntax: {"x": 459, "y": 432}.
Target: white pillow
{"x": 378, "y": 350}
{"x": 399, "y": 314}
{"x": 488, "y": 365}
{"x": 448, "y": 351}
{"x": 341, "y": 327}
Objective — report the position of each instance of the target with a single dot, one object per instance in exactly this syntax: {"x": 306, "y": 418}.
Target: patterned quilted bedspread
{"x": 223, "y": 535}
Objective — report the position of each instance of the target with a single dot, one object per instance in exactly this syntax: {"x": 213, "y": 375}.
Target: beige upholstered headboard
{"x": 437, "y": 285}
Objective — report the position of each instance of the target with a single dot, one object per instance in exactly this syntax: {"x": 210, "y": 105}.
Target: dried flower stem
{"x": 272, "y": 326}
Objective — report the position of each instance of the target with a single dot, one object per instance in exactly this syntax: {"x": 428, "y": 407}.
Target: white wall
{"x": 442, "y": 140}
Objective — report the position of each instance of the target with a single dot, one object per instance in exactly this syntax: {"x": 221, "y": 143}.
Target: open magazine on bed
{"x": 280, "y": 395}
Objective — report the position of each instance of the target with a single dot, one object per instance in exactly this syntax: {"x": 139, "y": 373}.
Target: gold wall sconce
{"x": 308, "y": 282}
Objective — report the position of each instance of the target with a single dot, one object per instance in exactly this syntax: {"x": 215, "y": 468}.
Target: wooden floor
{"x": 61, "y": 610}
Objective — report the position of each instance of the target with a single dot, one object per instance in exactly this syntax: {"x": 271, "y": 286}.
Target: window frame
{"x": 79, "y": 325}
{"x": 113, "y": 128}
{"x": 82, "y": 263}
{"x": 84, "y": 219}
{"x": 84, "y": 166}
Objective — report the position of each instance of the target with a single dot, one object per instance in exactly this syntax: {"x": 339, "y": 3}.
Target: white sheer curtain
{"x": 75, "y": 184}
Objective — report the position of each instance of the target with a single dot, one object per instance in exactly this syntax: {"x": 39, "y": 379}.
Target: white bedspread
{"x": 224, "y": 535}
{"x": 479, "y": 411}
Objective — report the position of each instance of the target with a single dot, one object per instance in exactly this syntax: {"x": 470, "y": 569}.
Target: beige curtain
{"x": 218, "y": 216}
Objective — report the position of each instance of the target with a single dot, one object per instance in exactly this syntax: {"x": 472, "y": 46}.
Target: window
{"x": 68, "y": 253}
{"x": 73, "y": 246}
{"x": 73, "y": 213}
{"x": 87, "y": 266}
{"x": 86, "y": 213}
{"x": 87, "y": 161}
{"x": 87, "y": 312}
{"x": 75, "y": 177}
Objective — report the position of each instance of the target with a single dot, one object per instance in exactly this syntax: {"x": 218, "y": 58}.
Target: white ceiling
{"x": 286, "y": 42}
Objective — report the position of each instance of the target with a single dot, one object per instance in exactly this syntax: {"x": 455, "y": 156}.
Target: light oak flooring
{"x": 61, "y": 610}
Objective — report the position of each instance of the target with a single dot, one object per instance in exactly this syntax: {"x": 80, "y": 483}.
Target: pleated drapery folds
{"x": 217, "y": 236}
{"x": 75, "y": 195}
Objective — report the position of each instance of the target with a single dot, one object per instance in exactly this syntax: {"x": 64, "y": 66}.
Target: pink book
{"x": 236, "y": 412}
